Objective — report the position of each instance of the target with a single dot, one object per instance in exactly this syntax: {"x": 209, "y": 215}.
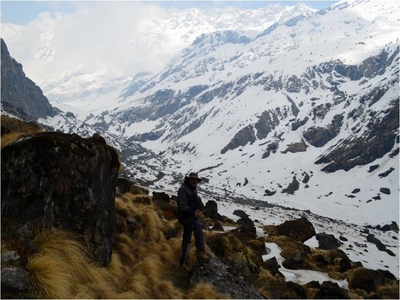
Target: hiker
{"x": 189, "y": 208}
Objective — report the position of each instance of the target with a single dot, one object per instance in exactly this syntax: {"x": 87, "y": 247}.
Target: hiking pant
{"x": 191, "y": 225}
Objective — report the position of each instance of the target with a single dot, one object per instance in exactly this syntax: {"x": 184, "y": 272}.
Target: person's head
{"x": 193, "y": 179}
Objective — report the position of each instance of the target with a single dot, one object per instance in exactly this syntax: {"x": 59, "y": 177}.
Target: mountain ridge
{"x": 242, "y": 100}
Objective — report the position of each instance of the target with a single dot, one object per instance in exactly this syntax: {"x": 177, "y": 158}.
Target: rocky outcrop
{"x": 327, "y": 241}
{"x": 60, "y": 181}
{"x": 296, "y": 147}
{"x": 292, "y": 187}
{"x": 20, "y": 96}
{"x": 319, "y": 136}
{"x": 299, "y": 230}
{"x": 242, "y": 138}
{"x": 266, "y": 123}
{"x": 378, "y": 139}
{"x": 224, "y": 280}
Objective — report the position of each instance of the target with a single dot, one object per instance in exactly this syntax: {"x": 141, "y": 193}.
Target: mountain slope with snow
{"x": 298, "y": 119}
{"x": 290, "y": 116}
{"x": 68, "y": 71}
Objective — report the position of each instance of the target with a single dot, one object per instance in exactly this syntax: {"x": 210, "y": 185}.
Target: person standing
{"x": 189, "y": 208}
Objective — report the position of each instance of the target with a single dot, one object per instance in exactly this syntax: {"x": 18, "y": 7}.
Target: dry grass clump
{"x": 14, "y": 129}
{"x": 9, "y": 138}
{"x": 389, "y": 290}
{"x": 144, "y": 262}
{"x": 60, "y": 269}
{"x": 270, "y": 286}
{"x": 204, "y": 291}
{"x": 289, "y": 247}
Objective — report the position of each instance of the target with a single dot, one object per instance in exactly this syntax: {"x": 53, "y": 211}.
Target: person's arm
{"x": 182, "y": 204}
{"x": 200, "y": 204}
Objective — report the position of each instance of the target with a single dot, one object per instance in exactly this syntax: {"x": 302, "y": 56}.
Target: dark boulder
{"x": 384, "y": 174}
{"x": 299, "y": 230}
{"x": 385, "y": 191}
{"x": 327, "y": 241}
{"x": 217, "y": 227}
{"x": 62, "y": 181}
{"x": 331, "y": 290}
{"x": 373, "y": 168}
{"x": 246, "y": 228}
{"x": 372, "y": 239}
{"x": 126, "y": 186}
{"x": 14, "y": 283}
{"x": 241, "y": 214}
{"x": 272, "y": 266}
{"x": 211, "y": 210}
{"x": 161, "y": 196}
{"x": 388, "y": 227}
{"x": 269, "y": 193}
{"x": 296, "y": 261}
{"x": 344, "y": 261}
{"x": 297, "y": 289}
{"x": 365, "y": 279}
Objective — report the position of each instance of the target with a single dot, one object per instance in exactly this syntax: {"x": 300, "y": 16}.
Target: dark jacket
{"x": 188, "y": 201}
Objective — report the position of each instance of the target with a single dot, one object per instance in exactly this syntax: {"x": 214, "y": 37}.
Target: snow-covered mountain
{"x": 298, "y": 118}
{"x": 300, "y": 113}
{"x": 149, "y": 42}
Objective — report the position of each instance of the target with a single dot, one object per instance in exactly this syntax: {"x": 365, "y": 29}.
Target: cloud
{"x": 97, "y": 36}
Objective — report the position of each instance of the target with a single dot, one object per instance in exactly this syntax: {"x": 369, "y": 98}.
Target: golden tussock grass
{"x": 126, "y": 247}
{"x": 9, "y": 138}
{"x": 59, "y": 265}
{"x": 17, "y": 129}
{"x": 336, "y": 275}
{"x": 357, "y": 294}
{"x": 389, "y": 290}
{"x": 270, "y": 230}
{"x": 311, "y": 293}
{"x": 265, "y": 281}
{"x": 166, "y": 290}
{"x": 204, "y": 291}
{"x": 125, "y": 204}
{"x": 151, "y": 226}
{"x": 60, "y": 269}
{"x": 289, "y": 247}
{"x": 151, "y": 266}
{"x": 138, "y": 283}
{"x": 143, "y": 263}
{"x": 117, "y": 271}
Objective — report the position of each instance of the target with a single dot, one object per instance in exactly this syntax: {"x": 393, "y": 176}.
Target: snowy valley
{"x": 290, "y": 112}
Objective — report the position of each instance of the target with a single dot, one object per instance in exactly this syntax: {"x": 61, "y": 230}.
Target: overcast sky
{"x": 62, "y": 37}
{"x": 22, "y": 12}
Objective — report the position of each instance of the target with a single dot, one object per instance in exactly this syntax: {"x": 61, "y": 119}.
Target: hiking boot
{"x": 202, "y": 255}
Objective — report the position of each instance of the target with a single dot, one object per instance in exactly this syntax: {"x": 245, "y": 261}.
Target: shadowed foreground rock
{"x": 224, "y": 280}
{"x": 63, "y": 181}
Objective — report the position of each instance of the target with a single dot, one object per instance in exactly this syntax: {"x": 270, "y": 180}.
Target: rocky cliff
{"x": 20, "y": 95}
{"x": 59, "y": 181}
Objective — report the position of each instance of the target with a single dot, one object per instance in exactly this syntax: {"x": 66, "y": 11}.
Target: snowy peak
{"x": 309, "y": 101}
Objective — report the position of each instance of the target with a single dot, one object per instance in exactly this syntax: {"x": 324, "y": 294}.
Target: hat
{"x": 193, "y": 176}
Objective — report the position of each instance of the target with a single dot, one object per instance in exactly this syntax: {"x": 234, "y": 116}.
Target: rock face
{"x": 378, "y": 139}
{"x": 300, "y": 229}
{"x": 225, "y": 281}
{"x": 54, "y": 180}
{"x": 20, "y": 95}
{"x": 244, "y": 136}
